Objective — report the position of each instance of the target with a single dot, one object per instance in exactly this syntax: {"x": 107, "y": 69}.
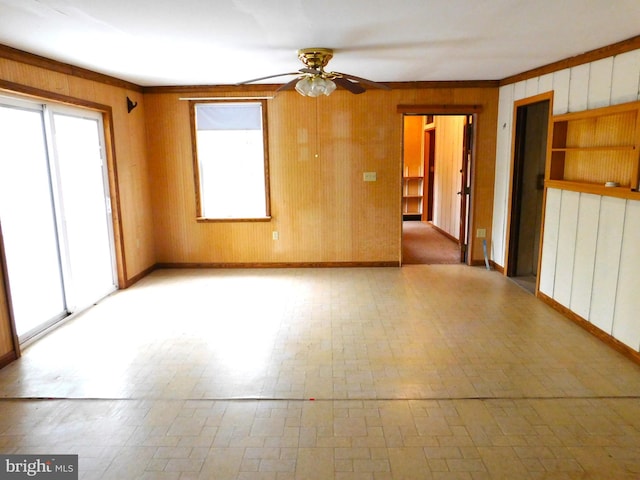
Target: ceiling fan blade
{"x": 268, "y": 76}
{"x": 349, "y": 85}
{"x": 289, "y": 85}
{"x": 370, "y": 83}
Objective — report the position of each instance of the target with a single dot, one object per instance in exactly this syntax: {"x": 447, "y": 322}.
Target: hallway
{"x": 423, "y": 244}
{"x": 419, "y": 372}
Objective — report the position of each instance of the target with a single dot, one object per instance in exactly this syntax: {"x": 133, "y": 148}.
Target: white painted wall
{"x": 591, "y": 244}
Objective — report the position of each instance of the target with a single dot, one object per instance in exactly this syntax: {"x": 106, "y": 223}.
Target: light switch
{"x": 369, "y": 176}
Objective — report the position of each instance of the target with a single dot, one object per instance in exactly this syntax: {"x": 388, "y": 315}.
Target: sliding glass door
{"x": 84, "y": 208}
{"x": 28, "y": 220}
{"x": 55, "y": 212}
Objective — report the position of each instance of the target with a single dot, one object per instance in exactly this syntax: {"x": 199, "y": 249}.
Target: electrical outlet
{"x": 275, "y": 235}
{"x": 481, "y": 233}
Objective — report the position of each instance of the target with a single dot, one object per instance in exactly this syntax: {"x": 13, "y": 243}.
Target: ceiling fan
{"x": 313, "y": 80}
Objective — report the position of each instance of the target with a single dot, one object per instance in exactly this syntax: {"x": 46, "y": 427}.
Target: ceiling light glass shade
{"x": 315, "y": 86}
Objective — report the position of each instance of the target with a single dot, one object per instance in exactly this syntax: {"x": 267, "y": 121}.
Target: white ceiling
{"x": 209, "y": 42}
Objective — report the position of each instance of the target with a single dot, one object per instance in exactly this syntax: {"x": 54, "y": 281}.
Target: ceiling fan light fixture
{"x": 313, "y": 80}
{"x": 315, "y": 86}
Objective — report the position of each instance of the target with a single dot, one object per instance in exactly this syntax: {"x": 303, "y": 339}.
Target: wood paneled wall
{"x": 413, "y": 149}
{"x": 318, "y": 151}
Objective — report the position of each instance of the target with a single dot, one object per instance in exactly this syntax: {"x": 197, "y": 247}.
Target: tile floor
{"x": 420, "y": 372}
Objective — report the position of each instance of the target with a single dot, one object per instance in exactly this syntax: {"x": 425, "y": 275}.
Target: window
{"x": 231, "y": 165}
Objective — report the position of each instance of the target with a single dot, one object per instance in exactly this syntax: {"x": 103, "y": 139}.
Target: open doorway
{"x": 435, "y": 188}
{"x": 527, "y": 190}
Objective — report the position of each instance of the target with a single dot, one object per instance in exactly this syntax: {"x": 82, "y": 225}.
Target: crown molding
{"x": 272, "y": 87}
{"x": 27, "y": 58}
{"x": 21, "y": 56}
{"x": 624, "y": 46}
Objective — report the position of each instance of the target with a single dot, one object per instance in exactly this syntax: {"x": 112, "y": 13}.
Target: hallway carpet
{"x": 423, "y": 244}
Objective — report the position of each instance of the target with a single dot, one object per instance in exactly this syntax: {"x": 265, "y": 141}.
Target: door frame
{"x": 515, "y": 144}
{"x": 465, "y": 185}
{"x": 429, "y": 172}
{"x": 58, "y": 210}
{"x": 436, "y": 110}
{"x": 20, "y": 93}
{"x": 50, "y": 111}
{"x": 5, "y": 289}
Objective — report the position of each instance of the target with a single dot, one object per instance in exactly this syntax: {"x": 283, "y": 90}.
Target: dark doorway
{"x": 430, "y": 164}
{"x": 530, "y": 147}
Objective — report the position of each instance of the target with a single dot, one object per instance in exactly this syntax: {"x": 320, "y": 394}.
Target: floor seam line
{"x": 294, "y": 399}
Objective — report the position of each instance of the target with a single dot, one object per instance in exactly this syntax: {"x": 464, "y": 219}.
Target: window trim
{"x": 196, "y": 163}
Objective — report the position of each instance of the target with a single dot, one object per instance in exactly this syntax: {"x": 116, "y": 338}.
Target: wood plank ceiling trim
{"x": 624, "y": 46}
{"x": 37, "y": 61}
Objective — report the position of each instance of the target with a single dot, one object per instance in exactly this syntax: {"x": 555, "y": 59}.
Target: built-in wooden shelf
{"x": 412, "y": 195}
{"x": 590, "y": 148}
{"x": 595, "y": 188}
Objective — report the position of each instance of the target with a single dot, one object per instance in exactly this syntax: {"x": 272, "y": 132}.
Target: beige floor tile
{"x": 423, "y": 372}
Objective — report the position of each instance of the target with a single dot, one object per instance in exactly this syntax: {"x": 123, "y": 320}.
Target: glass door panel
{"x": 84, "y": 209}
{"x": 28, "y": 221}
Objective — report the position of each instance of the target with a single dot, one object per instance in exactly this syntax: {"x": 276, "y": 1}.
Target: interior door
{"x": 465, "y": 186}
